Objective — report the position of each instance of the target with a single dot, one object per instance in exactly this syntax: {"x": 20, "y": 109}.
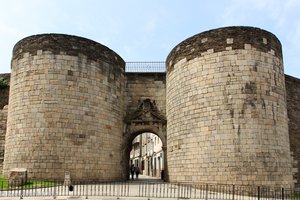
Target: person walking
{"x": 137, "y": 171}
{"x": 132, "y": 170}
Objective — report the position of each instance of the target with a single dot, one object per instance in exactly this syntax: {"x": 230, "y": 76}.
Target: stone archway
{"x": 146, "y": 118}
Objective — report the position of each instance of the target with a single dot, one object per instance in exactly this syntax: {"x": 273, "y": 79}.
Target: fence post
{"x": 258, "y": 192}
{"x": 118, "y": 193}
{"x": 282, "y": 193}
{"x": 22, "y": 185}
{"x": 178, "y": 190}
{"x": 149, "y": 187}
{"x": 233, "y": 189}
{"x": 54, "y": 193}
{"x": 86, "y": 187}
{"x": 206, "y": 191}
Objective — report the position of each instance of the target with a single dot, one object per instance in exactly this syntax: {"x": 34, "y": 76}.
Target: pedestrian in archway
{"x": 137, "y": 172}
{"x": 132, "y": 170}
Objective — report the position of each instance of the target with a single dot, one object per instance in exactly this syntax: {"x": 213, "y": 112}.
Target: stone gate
{"x": 220, "y": 109}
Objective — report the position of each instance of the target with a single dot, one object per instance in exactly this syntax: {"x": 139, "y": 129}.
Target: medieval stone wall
{"x": 226, "y": 109}
{"x": 4, "y": 94}
{"x": 293, "y": 101}
{"x": 3, "y": 120}
{"x": 145, "y": 104}
{"x": 224, "y": 97}
{"x": 65, "y": 109}
{"x": 136, "y": 81}
{"x": 140, "y": 86}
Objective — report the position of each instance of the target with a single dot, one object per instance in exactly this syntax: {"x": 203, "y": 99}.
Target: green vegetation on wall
{"x": 3, "y": 83}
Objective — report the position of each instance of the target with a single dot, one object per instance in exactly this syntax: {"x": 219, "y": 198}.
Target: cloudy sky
{"x": 147, "y": 30}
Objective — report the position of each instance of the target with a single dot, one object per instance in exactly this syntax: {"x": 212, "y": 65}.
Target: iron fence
{"x": 145, "y": 67}
{"x": 145, "y": 189}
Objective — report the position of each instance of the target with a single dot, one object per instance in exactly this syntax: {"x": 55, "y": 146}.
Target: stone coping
{"x": 62, "y": 44}
{"x": 221, "y": 39}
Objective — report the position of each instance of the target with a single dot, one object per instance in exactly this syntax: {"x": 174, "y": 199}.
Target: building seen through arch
{"x": 147, "y": 153}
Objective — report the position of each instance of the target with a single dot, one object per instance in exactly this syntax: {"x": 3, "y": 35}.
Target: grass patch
{"x": 4, "y": 184}
{"x": 296, "y": 195}
{"x": 34, "y": 184}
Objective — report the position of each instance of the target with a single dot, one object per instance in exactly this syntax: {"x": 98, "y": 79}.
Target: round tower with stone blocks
{"x": 65, "y": 109}
{"x": 226, "y": 109}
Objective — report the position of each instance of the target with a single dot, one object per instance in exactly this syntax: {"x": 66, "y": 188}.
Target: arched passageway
{"x": 147, "y": 156}
{"x": 146, "y": 119}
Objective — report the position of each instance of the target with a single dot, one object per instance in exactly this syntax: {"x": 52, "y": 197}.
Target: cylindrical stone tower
{"x": 65, "y": 109}
{"x": 226, "y": 109}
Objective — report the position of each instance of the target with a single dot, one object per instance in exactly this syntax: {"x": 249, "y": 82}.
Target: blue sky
{"x": 140, "y": 30}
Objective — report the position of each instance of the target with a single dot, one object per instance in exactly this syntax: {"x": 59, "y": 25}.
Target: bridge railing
{"x": 145, "y": 67}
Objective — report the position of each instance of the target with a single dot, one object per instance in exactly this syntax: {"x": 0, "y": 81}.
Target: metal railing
{"x": 145, "y": 67}
{"x": 145, "y": 189}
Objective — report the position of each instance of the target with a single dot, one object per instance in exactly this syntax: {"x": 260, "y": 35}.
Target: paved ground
{"x": 83, "y": 198}
{"x": 144, "y": 188}
{"x": 142, "y": 179}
